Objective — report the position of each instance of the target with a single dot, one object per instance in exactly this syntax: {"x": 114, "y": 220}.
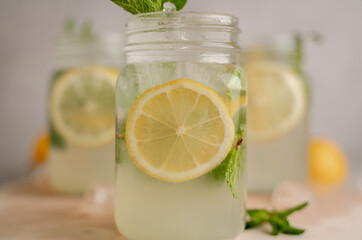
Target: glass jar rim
{"x": 281, "y": 41}
{"x": 204, "y": 19}
{"x": 69, "y": 50}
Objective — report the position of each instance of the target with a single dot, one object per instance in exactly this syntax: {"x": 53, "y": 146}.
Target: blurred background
{"x": 28, "y": 30}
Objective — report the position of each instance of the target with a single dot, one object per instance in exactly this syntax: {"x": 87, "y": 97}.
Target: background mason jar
{"x": 86, "y": 60}
{"x": 273, "y": 63}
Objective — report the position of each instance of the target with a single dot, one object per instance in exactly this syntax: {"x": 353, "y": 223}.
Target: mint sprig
{"x": 278, "y": 220}
{"x": 229, "y": 168}
{"x": 145, "y": 6}
{"x": 56, "y": 140}
{"x": 139, "y": 6}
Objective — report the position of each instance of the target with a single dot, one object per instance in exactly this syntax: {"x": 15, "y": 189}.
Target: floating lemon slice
{"x": 83, "y": 105}
{"x": 277, "y": 100}
{"x": 179, "y": 130}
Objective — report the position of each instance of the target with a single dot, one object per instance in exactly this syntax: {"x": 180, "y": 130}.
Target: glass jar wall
{"x": 181, "y": 111}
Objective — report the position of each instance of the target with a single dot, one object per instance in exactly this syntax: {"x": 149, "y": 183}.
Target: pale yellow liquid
{"x": 200, "y": 209}
{"x": 75, "y": 169}
{"x": 283, "y": 159}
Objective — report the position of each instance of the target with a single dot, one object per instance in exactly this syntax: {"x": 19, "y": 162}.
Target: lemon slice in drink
{"x": 179, "y": 130}
{"x": 277, "y": 100}
{"x": 83, "y": 105}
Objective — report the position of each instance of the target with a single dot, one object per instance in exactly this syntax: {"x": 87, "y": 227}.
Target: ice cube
{"x": 291, "y": 194}
{"x": 98, "y": 199}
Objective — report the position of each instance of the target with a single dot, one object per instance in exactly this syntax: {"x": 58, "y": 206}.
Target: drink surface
{"x": 199, "y": 208}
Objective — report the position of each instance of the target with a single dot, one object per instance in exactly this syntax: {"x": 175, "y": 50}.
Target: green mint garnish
{"x": 56, "y": 139}
{"x": 229, "y": 96}
{"x": 145, "y": 6}
{"x": 229, "y": 168}
{"x": 85, "y": 32}
{"x": 278, "y": 220}
{"x": 69, "y": 27}
{"x": 139, "y": 6}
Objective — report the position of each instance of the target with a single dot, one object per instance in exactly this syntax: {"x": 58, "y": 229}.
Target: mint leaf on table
{"x": 257, "y": 217}
{"x": 278, "y": 220}
{"x": 297, "y": 208}
{"x": 145, "y": 6}
{"x": 229, "y": 168}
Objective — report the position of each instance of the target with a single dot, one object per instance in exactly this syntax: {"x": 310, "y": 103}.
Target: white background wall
{"x": 27, "y": 29}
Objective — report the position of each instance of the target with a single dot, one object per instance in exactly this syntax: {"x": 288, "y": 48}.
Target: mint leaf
{"x": 84, "y": 33}
{"x": 229, "y": 96}
{"x": 139, "y": 6}
{"x": 69, "y": 27}
{"x": 179, "y": 4}
{"x": 293, "y": 231}
{"x": 232, "y": 170}
{"x": 220, "y": 170}
{"x": 86, "y": 30}
{"x": 56, "y": 139}
{"x": 297, "y": 208}
{"x": 278, "y": 220}
{"x": 257, "y": 217}
{"x": 228, "y": 170}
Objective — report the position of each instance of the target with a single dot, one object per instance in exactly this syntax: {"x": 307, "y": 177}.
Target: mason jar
{"x": 277, "y": 110}
{"x": 82, "y": 111}
{"x": 180, "y": 134}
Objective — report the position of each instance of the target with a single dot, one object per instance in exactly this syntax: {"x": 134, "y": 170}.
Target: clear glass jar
{"x": 82, "y": 111}
{"x": 160, "y": 202}
{"x": 277, "y": 110}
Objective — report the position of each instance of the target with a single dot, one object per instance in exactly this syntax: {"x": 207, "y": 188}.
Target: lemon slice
{"x": 179, "y": 130}
{"x": 83, "y": 105}
{"x": 277, "y": 100}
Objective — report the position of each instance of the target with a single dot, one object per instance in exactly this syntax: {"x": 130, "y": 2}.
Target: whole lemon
{"x": 327, "y": 162}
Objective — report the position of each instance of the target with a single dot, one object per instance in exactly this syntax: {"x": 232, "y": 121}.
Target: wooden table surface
{"x": 31, "y": 211}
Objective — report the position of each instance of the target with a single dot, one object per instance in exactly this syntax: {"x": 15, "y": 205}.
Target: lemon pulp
{"x": 179, "y": 130}
{"x": 277, "y": 100}
{"x": 83, "y": 107}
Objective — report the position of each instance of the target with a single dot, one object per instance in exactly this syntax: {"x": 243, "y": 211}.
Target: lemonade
{"x": 277, "y": 113}
{"x": 82, "y": 111}
{"x": 180, "y": 131}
